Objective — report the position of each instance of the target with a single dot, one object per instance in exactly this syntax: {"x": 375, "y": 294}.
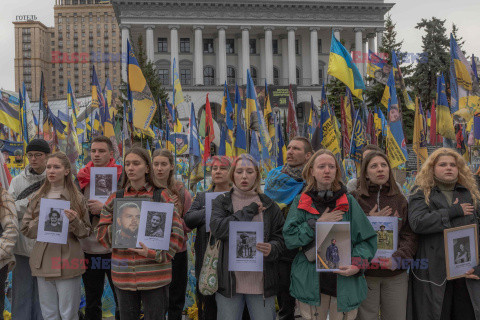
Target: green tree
{"x": 435, "y": 59}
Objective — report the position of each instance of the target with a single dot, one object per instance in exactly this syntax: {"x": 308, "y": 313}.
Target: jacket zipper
{"x": 378, "y": 198}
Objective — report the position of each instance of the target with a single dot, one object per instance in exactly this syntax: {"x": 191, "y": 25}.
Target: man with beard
{"x": 155, "y": 227}
{"x": 127, "y": 220}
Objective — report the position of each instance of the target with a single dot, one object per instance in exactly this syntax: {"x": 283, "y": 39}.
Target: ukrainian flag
{"x": 463, "y": 70}
{"x": 282, "y": 150}
{"x": 444, "y": 118}
{"x": 341, "y": 66}
{"x": 97, "y": 97}
{"x": 9, "y": 115}
{"x": 227, "y": 111}
{"x": 240, "y": 135}
{"x": 140, "y": 96}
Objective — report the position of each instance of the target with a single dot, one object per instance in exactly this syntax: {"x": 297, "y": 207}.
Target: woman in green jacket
{"x": 325, "y": 199}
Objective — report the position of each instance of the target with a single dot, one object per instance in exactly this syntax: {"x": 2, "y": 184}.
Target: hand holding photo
{"x": 333, "y": 246}
{"x": 53, "y": 222}
{"x": 461, "y": 250}
{"x": 155, "y": 225}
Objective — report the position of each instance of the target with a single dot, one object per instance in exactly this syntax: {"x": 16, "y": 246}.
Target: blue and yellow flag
{"x": 444, "y": 118}
{"x": 396, "y": 69}
{"x": 377, "y": 67}
{"x": 463, "y": 70}
{"x": 97, "y": 124}
{"x": 349, "y": 111}
{"x": 108, "y": 94}
{"x": 43, "y": 105}
{"x": 98, "y": 100}
{"x": 227, "y": 111}
{"x": 341, "y": 66}
{"x": 177, "y": 87}
{"x": 281, "y": 187}
{"x": 195, "y": 157}
{"x": 268, "y": 113}
{"x": 395, "y": 116}
{"x": 240, "y": 134}
{"x": 140, "y": 96}
{"x": 419, "y": 135}
{"x": 281, "y": 148}
{"x": 10, "y": 112}
{"x": 358, "y": 139}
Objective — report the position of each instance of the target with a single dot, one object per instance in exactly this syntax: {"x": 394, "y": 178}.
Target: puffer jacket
{"x": 22, "y": 188}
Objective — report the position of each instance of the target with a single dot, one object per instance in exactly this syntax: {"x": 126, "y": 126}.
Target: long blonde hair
{"x": 310, "y": 179}
{"x": 75, "y": 195}
{"x": 425, "y": 178}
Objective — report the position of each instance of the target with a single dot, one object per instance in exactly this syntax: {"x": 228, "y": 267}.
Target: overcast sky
{"x": 406, "y": 14}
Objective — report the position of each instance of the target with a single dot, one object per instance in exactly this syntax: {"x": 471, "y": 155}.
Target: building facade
{"x": 85, "y": 33}
{"x": 217, "y": 41}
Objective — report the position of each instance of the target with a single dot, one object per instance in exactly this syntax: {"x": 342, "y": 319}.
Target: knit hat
{"x": 38, "y": 145}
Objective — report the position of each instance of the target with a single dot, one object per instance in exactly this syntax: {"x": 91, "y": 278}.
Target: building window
{"x": 253, "y": 73}
{"x": 185, "y": 45}
{"x": 164, "y": 76}
{"x": 162, "y": 45}
{"x": 207, "y": 45}
{"x": 253, "y": 46}
{"x": 186, "y": 77}
{"x": 297, "y": 46}
{"x": 231, "y": 75}
{"x": 230, "y": 45}
{"x": 208, "y": 76}
{"x": 297, "y": 75}
{"x": 275, "y": 46}
{"x": 319, "y": 45}
{"x": 276, "y": 76}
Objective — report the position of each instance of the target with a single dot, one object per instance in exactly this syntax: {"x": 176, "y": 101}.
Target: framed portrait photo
{"x": 242, "y": 242}
{"x": 461, "y": 250}
{"x": 126, "y": 222}
{"x": 52, "y": 221}
{"x": 333, "y": 246}
{"x": 387, "y": 236}
{"x": 103, "y": 182}
{"x": 155, "y": 225}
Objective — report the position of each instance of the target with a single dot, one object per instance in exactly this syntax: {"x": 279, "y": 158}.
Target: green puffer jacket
{"x": 304, "y": 285}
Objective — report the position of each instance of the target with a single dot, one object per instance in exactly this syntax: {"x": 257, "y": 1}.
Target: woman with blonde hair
{"x": 246, "y": 202}
{"x": 446, "y": 196}
{"x": 325, "y": 199}
{"x": 58, "y": 267}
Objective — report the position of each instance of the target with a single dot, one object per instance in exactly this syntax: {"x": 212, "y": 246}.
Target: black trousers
{"x": 153, "y": 303}
{"x": 93, "y": 280}
{"x": 457, "y": 304}
{"x": 207, "y": 306}
{"x": 178, "y": 286}
{"x": 3, "y": 279}
{"x": 286, "y": 302}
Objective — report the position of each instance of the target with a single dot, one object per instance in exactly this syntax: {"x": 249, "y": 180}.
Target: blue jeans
{"x": 258, "y": 308}
{"x": 25, "y": 301}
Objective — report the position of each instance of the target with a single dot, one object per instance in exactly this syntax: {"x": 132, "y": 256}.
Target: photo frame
{"x": 52, "y": 221}
{"x": 333, "y": 246}
{"x": 103, "y": 182}
{"x": 387, "y": 235}
{"x": 461, "y": 250}
{"x": 155, "y": 225}
{"x": 126, "y": 222}
{"x": 209, "y": 197}
{"x": 243, "y": 238}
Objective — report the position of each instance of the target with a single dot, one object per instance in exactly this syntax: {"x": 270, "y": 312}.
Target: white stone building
{"x": 282, "y": 42}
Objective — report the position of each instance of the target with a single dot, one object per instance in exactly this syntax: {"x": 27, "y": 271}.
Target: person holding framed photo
{"x": 378, "y": 195}
{"x": 196, "y": 219}
{"x": 325, "y": 199}
{"x": 141, "y": 276}
{"x": 445, "y": 196}
{"x": 176, "y": 193}
{"x": 58, "y": 267}
{"x": 246, "y": 202}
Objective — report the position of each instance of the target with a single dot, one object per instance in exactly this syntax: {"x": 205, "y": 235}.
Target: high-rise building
{"x": 85, "y": 33}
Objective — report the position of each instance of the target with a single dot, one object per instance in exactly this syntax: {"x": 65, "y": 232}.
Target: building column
{"x": 174, "y": 48}
{"x": 364, "y": 57}
{"x": 263, "y": 76}
{"x": 314, "y": 54}
{"x": 379, "y": 32}
{"x": 336, "y": 32}
{"x": 238, "y": 50}
{"x": 222, "y": 55}
{"x": 357, "y": 56}
{"x": 125, "y": 36}
{"x": 198, "y": 55}
{"x": 268, "y": 55}
{"x": 292, "y": 61}
{"x": 284, "y": 71}
{"x": 245, "y": 52}
{"x": 371, "y": 43}
{"x": 149, "y": 40}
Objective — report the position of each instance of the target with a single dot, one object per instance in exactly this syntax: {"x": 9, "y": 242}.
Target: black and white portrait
{"x": 461, "y": 250}
{"x": 246, "y": 244}
{"x": 155, "y": 224}
{"x": 103, "y": 184}
{"x": 53, "y": 221}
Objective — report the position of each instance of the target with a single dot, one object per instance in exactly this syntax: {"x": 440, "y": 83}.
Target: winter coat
{"x": 25, "y": 180}
{"x": 222, "y": 214}
{"x": 9, "y": 228}
{"x": 305, "y": 286}
{"x": 427, "y": 285}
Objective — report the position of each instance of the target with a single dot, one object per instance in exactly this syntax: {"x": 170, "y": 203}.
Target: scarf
{"x": 281, "y": 187}
{"x": 83, "y": 175}
{"x": 326, "y": 199}
{"x": 294, "y": 172}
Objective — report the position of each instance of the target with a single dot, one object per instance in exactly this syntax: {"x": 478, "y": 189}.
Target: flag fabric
{"x": 370, "y": 130}
{"x": 268, "y": 113}
{"x": 460, "y": 141}
{"x": 292, "y": 123}
{"x": 108, "y": 96}
{"x": 419, "y": 139}
{"x": 10, "y": 112}
{"x": 71, "y": 103}
{"x": 395, "y": 118}
{"x": 43, "y": 106}
{"x": 394, "y": 152}
{"x": 349, "y": 111}
{"x": 196, "y": 173}
{"x": 227, "y": 111}
{"x": 341, "y": 66}
{"x": 98, "y": 100}
{"x": 329, "y": 137}
{"x": 474, "y": 68}
{"x": 254, "y": 147}
{"x": 433, "y": 125}
{"x": 281, "y": 148}
{"x": 345, "y": 136}
{"x": 72, "y": 149}
{"x": 240, "y": 134}
{"x": 209, "y": 134}
{"x": 444, "y": 118}
{"x": 31, "y": 124}
{"x": 358, "y": 139}
{"x": 177, "y": 87}
{"x": 140, "y": 96}
{"x": 222, "y": 149}
{"x": 396, "y": 68}
{"x": 377, "y": 68}
{"x": 463, "y": 70}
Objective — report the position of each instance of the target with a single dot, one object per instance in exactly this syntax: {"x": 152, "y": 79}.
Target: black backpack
{"x": 157, "y": 194}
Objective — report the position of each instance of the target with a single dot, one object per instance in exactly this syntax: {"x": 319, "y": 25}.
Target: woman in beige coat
{"x": 58, "y": 267}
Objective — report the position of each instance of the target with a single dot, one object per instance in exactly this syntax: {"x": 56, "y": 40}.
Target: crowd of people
{"x": 306, "y": 190}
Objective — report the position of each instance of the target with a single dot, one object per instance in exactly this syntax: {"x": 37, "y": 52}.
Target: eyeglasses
{"x": 34, "y": 155}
